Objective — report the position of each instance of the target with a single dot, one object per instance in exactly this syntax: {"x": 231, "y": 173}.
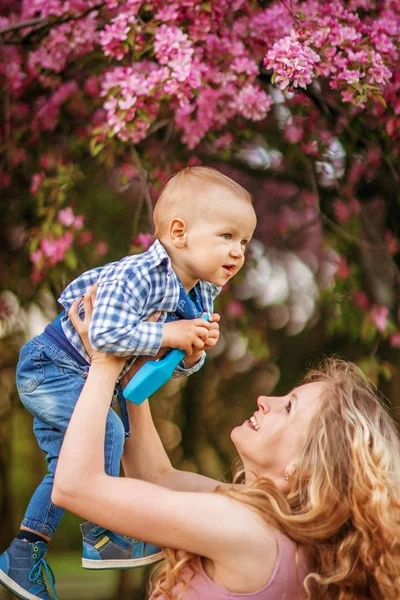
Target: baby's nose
{"x": 237, "y": 250}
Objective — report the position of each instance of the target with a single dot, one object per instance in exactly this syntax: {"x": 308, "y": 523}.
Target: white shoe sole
{"x": 129, "y": 563}
{"x": 14, "y": 587}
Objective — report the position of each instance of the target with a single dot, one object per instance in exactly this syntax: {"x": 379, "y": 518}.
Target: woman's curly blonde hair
{"x": 343, "y": 504}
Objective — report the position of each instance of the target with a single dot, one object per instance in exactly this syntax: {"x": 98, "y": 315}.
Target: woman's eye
{"x": 288, "y": 406}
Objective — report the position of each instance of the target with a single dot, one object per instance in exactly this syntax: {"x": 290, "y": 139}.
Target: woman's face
{"x": 272, "y": 438}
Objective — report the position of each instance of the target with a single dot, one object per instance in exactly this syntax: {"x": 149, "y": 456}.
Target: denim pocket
{"x": 30, "y": 369}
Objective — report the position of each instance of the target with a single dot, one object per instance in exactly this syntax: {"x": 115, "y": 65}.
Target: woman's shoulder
{"x": 260, "y": 579}
{"x": 259, "y": 560}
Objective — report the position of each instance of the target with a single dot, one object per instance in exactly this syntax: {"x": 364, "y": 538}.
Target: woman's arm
{"x": 145, "y": 457}
{"x": 144, "y": 454}
{"x": 208, "y": 524}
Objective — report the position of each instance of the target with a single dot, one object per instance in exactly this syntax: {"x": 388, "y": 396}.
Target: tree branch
{"x": 23, "y": 24}
{"x": 143, "y": 184}
{"x": 44, "y": 22}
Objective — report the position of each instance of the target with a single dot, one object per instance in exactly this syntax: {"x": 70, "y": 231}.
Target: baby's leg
{"x": 49, "y": 383}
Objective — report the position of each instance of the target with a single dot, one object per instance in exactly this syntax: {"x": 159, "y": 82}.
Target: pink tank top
{"x": 285, "y": 582}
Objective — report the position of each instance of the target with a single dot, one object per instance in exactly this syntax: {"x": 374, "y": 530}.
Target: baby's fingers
{"x": 215, "y": 318}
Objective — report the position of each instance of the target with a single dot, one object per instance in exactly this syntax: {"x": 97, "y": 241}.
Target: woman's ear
{"x": 178, "y": 232}
{"x": 290, "y": 470}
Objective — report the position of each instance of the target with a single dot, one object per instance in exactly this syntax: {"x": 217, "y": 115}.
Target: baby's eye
{"x": 244, "y": 242}
{"x": 288, "y": 406}
{"x": 227, "y": 236}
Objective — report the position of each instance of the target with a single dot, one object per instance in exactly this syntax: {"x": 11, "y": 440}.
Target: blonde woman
{"x": 318, "y": 515}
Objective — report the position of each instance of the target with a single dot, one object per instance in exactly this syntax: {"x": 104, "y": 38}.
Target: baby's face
{"x": 216, "y": 240}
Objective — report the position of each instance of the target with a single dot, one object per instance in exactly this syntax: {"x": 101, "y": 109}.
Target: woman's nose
{"x": 262, "y": 403}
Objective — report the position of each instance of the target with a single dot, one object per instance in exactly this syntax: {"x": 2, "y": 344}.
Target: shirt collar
{"x": 157, "y": 255}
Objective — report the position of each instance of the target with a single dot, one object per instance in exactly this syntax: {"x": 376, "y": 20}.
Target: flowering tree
{"x": 304, "y": 93}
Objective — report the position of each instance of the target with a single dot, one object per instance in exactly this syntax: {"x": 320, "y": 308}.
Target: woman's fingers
{"x": 92, "y": 294}
{"x": 74, "y": 316}
{"x": 154, "y": 317}
{"x": 88, "y": 306}
{"x": 88, "y": 302}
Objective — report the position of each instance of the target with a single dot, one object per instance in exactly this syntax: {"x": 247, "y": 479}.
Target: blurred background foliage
{"x": 321, "y": 276}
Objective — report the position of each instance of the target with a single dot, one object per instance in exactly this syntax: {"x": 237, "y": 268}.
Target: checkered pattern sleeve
{"x": 117, "y": 326}
{"x": 182, "y": 371}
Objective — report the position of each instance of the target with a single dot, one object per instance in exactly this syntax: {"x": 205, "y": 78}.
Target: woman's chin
{"x": 235, "y": 434}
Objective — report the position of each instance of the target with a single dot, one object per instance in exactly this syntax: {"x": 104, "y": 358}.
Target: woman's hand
{"x": 82, "y": 327}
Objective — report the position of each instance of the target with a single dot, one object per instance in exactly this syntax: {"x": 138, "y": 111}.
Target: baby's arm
{"x": 118, "y": 327}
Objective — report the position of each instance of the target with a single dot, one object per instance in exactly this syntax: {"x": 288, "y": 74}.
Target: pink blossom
{"x": 394, "y": 339}
{"x": 342, "y": 268}
{"x": 144, "y": 240}
{"x": 224, "y": 141}
{"x": 392, "y": 242}
{"x": 293, "y": 131}
{"x": 78, "y": 222}
{"x": 342, "y": 211}
{"x": 66, "y": 217}
{"x": 310, "y": 147}
{"x": 65, "y": 42}
{"x": 85, "y": 238}
{"x": 169, "y": 12}
{"x": 235, "y": 309}
{"x": 54, "y": 249}
{"x": 252, "y": 103}
{"x": 293, "y": 63}
{"x": 360, "y": 299}
{"x": 102, "y": 248}
{"x": 114, "y": 36}
{"x": 345, "y": 210}
{"x": 36, "y": 257}
{"x": 379, "y": 316}
{"x": 92, "y": 86}
{"x": 36, "y": 276}
{"x": 172, "y": 47}
{"x": 36, "y": 180}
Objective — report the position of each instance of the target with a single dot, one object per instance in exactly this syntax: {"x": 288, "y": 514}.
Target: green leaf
{"x": 70, "y": 260}
{"x": 380, "y": 99}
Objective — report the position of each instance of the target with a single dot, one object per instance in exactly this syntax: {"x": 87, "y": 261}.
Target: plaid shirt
{"x": 128, "y": 292}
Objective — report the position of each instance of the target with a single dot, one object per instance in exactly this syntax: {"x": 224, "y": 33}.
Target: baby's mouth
{"x": 229, "y": 268}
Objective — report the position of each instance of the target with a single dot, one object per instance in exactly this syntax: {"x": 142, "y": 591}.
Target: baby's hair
{"x": 182, "y": 194}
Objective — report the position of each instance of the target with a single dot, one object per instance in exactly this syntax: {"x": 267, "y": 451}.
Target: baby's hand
{"x": 209, "y": 342}
{"x": 187, "y": 334}
{"x": 213, "y": 334}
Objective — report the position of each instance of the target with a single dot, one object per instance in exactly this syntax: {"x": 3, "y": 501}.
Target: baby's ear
{"x": 178, "y": 232}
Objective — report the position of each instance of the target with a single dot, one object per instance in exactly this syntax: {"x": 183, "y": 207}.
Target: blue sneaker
{"x": 104, "y": 549}
{"x": 21, "y": 570}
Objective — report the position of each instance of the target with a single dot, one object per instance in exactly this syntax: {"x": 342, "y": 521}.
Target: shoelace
{"x": 35, "y": 575}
